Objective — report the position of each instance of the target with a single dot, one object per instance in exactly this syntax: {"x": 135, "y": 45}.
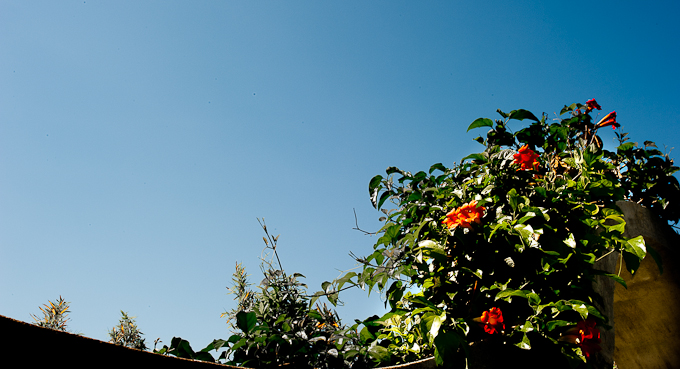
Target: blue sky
{"x": 141, "y": 140}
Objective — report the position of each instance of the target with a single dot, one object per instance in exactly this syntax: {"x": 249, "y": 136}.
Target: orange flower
{"x": 591, "y": 105}
{"x": 526, "y": 158}
{"x": 465, "y": 215}
{"x": 608, "y": 120}
{"x": 492, "y": 321}
{"x": 585, "y": 335}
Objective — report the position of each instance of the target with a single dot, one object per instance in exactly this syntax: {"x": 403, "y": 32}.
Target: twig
{"x": 356, "y": 222}
{"x": 603, "y": 256}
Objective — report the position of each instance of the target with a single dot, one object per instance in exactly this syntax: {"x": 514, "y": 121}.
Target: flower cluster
{"x": 465, "y": 215}
{"x": 526, "y": 158}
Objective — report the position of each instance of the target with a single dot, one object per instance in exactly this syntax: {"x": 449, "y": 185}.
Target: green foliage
{"x": 127, "y": 334}
{"x": 181, "y": 348}
{"x": 244, "y": 295}
{"x": 278, "y": 326}
{"x": 528, "y": 247}
{"x": 54, "y": 315}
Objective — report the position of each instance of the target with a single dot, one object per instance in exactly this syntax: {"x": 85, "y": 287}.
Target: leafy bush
{"x": 497, "y": 250}
{"x": 54, "y": 315}
{"x": 127, "y": 334}
{"x": 278, "y": 326}
{"x": 500, "y": 248}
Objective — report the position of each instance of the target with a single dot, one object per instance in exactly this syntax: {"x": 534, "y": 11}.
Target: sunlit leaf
{"x": 480, "y": 122}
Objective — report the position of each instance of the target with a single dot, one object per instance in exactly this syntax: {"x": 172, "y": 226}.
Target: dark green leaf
{"x": 391, "y": 170}
{"x": 447, "y": 344}
{"x": 214, "y": 345}
{"x": 521, "y": 114}
{"x": 315, "y": 314}
{"x": 246, "y": 321}
{"x": 632, "y": 262}
{"x": 617, "y": 279}
{"x": 386, "y": 195}
{"x": 204, "y": 356}
{"x": 366, "y": 335}
{"x": 438, "y": 166}
{"x": 480, "y": 122}
{"x": 476, "y": 157}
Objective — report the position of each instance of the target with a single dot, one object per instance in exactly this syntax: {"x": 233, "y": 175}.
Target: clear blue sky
{"x": 140, "y": 140}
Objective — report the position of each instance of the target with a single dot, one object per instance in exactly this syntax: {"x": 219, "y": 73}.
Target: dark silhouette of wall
{"x": 31, "y": 345}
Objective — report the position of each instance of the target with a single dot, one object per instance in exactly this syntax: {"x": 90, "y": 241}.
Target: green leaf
{"x": 431, "y": 322}
{"x": 480, "y": 122}
{"x": 438, "y": 166}
{"x": 556, "y": 324}
{"x": 242, "y": 342}
{"x": 315, "y": 314}
{"x": 508, "y": 293}
{"x": 625, "y": 147}
{"x": 525, "y": 344}
{"x": 534, "y": 299}
{"x": 477, "y": 273}
{"x": 204, "y": 356}
{"x": 568, "y": 108}
{"x": 214, "y": 345}
{"x": 246, "y": 321}
{"x": 521, "y": 114}
{"x": 476, "y": 157}
{"x": 541, "y": 191}
{"x": 526, "y": 327}
{"x": 526, "y": 231}
{"x": 632, "y": 262}
{"x": 346, "y": 278}
{"x": 636, "y": 246}
{"x": 617, "y": 279}
{"x": 374, "y": 188}
{"x": 447, "y": 345}
{"x": 379, "y": 353}
{"x": 366, "y": 336}
{"x": 580, "y": 308}
{"x": 181, "y": 348}
{"x": 386, "y": 195}
{"x": 392, "y": 170}
{"x": 512, "y": 199}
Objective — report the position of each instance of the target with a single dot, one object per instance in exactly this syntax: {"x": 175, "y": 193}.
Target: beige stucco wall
{"x": 647, "y": 314}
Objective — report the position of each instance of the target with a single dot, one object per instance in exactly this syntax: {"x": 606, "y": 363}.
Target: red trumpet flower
{"x": 608, "y": 120}
{"x": 591, "y": 105}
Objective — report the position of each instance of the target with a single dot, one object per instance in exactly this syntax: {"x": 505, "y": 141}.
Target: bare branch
{"x": 357, "y": 225}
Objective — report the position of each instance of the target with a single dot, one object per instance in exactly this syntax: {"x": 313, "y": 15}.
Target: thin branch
{"x": 605, "y": 255}
{"x": 273, "y": 241}
{"x": 356, "y": 222}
